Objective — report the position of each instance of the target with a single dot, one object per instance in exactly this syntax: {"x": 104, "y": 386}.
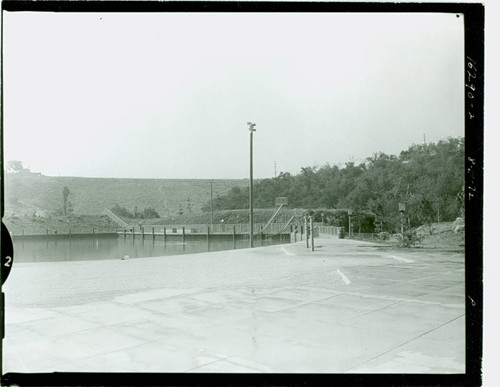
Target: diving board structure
{"x": 283, "y": 228}
{"x": 280, "y": 202}
{"x": 115, "y": 218}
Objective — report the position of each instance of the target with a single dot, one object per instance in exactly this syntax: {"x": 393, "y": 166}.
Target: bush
{"x": 384, "y": 235}
{"x": 149, "y": 213}
{"x": 122, "y": 211}
{"x": 409, "y": 238}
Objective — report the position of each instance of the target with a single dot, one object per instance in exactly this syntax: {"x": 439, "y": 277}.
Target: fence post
{"x": 183, "y": 234}
{"x": 234, "y": 237}
{"x": 153, "y": 231}
{"x": 164, "y": 233}
{"x": 208, "y": 235}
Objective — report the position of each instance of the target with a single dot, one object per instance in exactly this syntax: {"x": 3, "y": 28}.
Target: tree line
{"x": 427, "y": 178}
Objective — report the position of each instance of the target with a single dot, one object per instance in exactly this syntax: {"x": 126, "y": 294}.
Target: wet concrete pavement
{"x": 348, "y": 307}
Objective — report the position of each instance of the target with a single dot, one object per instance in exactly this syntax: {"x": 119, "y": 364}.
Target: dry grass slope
{"x": 27, "y": 193}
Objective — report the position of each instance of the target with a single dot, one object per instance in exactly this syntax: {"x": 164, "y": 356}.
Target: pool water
{"x": 97, "y": 248}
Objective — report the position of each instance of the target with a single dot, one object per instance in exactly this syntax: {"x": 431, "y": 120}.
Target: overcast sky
{"x": 169, "y": 95}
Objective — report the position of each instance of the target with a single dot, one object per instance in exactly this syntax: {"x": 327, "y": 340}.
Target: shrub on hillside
{"x": 149, "y": 213}
{"x": 121, "y": 211}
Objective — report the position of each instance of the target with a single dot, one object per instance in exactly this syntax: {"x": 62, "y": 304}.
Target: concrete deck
{"x": 348, "y": 307}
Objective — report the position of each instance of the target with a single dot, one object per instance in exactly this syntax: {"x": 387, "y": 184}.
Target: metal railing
{"x": 275, "y": 228}
{"x": 329, "y": 230}
{"x": 287, "y": 226}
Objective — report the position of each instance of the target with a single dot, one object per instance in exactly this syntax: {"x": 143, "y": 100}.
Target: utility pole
{"x": 275, "y": 169}
{"x": 251, "y": 128}
{"x": 211, "y": 205}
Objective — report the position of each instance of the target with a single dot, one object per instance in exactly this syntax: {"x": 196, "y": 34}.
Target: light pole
{"x": 211, "y": 205}
{"x": 251, "y": 128}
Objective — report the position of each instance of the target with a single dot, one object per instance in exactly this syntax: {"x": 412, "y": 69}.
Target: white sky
{"x": 169, "y": 95}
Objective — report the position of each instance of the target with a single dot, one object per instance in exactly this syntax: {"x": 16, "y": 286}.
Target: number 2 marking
{"x": 9, "y": 260}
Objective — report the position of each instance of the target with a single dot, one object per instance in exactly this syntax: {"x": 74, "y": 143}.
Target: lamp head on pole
{"x": 251, "y": 126}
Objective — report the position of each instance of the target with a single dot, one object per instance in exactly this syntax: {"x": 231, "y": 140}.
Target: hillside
{"x": 27, "y": 193}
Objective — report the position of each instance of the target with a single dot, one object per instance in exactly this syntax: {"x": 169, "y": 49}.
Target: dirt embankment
{"x": 445, "y": 240}
{"x": 438, "y": 236}
{"x": 443, "y": 235}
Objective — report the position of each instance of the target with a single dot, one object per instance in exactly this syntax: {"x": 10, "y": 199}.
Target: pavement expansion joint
{"x": 404, "y": 343}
